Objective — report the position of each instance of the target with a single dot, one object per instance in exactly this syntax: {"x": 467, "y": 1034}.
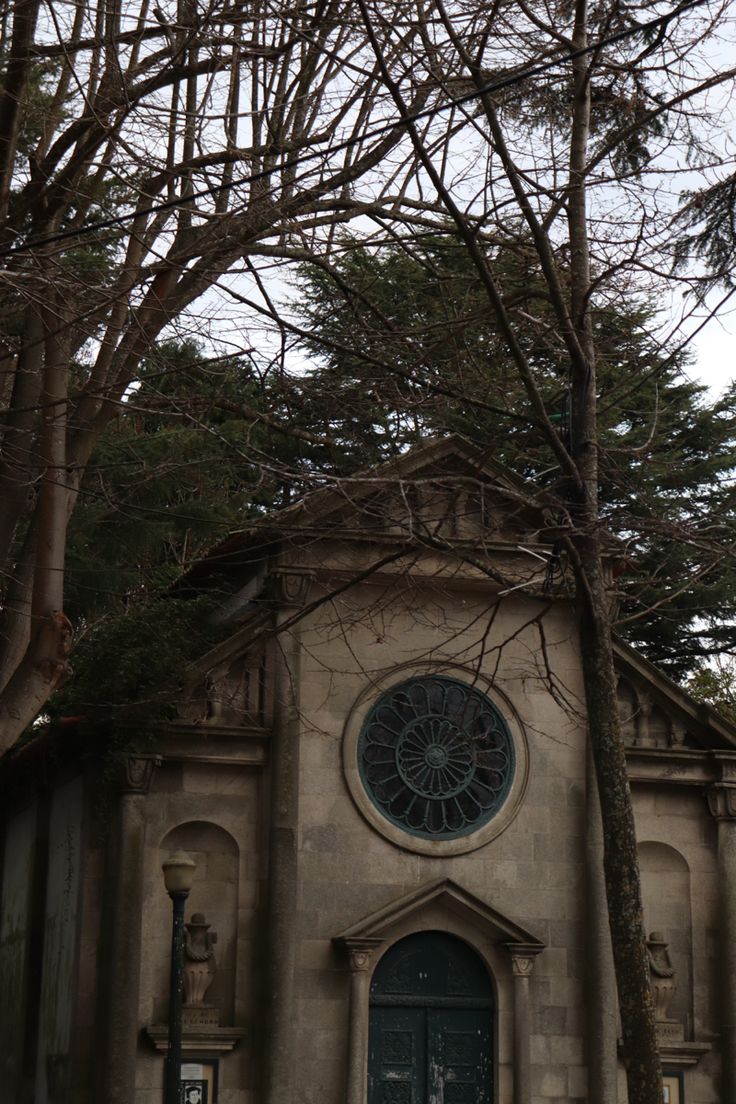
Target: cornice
{"x": 677, "y": 766}
{"x": 226, "y": 745}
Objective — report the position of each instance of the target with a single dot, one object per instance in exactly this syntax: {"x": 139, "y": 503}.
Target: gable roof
{"x": 702, "y": 720}
{"x": 433, "y": 460}
{"x": 432, "y": 453}
{"x": 451, "y": 459}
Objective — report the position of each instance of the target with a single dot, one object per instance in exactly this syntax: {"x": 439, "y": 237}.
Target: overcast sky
{"x": 715, "y": 350}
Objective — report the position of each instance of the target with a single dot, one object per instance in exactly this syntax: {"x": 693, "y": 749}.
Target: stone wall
{"x": 533, "y": 871}
{"x": 15, "y": 923}
{"x": 60, "y": 945}
{"x": 680, "y": 892}
{"x": 212, "y": 812}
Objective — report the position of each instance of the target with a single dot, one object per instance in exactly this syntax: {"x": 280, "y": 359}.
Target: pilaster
{"x": 125, "y": 937}
{"x": 360, "y": 951}
{"x": 722, "y": 805}
{"x": 522, "y": 964}
{"x": 289, "y": 590}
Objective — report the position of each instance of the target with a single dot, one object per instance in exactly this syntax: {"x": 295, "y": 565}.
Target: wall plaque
{"x": 198, "y": 1083}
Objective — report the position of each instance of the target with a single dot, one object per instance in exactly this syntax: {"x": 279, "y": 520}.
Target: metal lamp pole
{"x": 178, "y": 877}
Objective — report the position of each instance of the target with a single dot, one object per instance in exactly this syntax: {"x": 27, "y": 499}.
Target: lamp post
{"x": 178, "y": 876}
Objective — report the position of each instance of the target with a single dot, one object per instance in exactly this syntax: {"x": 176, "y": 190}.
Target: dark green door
{"x": 431, "y": 1024}
{"x": 398, "y": 1056}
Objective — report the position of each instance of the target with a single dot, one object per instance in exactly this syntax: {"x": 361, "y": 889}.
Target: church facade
{"x": 381, "y": 774}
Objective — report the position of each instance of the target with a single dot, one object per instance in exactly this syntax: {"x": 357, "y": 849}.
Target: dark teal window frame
{"x": 436, "y": 757}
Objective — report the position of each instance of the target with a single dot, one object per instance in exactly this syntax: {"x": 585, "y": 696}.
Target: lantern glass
{"x": 178, "y": 872}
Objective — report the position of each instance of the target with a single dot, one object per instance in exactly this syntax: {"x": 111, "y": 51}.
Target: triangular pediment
{"x": 656, "y": 713}
{"x": 444, "y": 489}
{"x": 377, "y": 926}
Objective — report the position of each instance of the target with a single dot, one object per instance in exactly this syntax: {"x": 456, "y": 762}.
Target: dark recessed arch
{"x": 432, "y": 1023}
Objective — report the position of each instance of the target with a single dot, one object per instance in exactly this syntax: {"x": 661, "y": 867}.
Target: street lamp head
{"x": 178, "y": 872}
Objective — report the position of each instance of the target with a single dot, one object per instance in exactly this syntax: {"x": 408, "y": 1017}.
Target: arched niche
{"x": 665, "y": 883}
{"x": 215, "y": 893}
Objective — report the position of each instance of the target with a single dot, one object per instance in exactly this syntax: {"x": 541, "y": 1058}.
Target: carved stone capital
{"x": 138, "y": 773}
{"x": 522, "y": 965}
{"x": 359, "y": 950}
{"x": 722, "y": 800}
{"x": 289, "y": 587}
{"x": 726, "y": 764}
{"x": 522, "y": 958}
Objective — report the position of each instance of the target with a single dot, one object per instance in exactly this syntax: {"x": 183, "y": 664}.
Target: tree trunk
{"x": 45, "y": 663}
{"x": 620, "y": 855}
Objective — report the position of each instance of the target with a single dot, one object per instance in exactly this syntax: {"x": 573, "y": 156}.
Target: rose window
{"x": 436, "y": 757}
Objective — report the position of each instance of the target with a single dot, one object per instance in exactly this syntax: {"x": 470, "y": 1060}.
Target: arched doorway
{"x": 431, "y": 1024}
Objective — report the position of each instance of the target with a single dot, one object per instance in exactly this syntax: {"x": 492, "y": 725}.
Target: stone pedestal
{"x": 200, "y": 1015}
{"x": 670, "y": 1031}
{"x": 197, "y": 1040}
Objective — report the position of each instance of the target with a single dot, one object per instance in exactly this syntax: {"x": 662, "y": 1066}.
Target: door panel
{"x": 397, "y": 1058}
{"x": 459, "y": 1052}
{"x": 429, "y": 1056}
{"x": 431, "y": 1024}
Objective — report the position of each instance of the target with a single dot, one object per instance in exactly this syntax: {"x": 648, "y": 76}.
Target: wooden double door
{"x": 431, "y": 1024}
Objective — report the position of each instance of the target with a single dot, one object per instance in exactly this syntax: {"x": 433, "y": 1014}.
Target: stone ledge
{"x": 678, "y": 1055}
{"x": 674, "y": 765}
{"x": 200, "y": 1040}
{"x": 213, "y": 744}
{"x": 681, "y": 1055}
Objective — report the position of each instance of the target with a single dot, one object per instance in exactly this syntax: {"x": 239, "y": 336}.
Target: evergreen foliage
{"x": 716, "y": 686}
{"x": 129, "y": 666}
{"x": 185, "y": 463}
{"x": 170, "y": 477}
{"x": 708, "y": 218}
{"x": 402, "y": 347}
{"x": 406, "y": 347}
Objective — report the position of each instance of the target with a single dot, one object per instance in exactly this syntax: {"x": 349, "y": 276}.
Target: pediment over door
{"x": 507, "y": 949}
{"x": 377, "y": 928}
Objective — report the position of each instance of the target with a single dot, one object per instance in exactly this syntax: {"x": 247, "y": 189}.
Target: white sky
{"x": 715, "y": 348}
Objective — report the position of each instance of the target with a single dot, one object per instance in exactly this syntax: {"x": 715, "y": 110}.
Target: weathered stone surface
{"x": 58, "y": 979}
{"x": 14, "y": 935}
{"x": 288, "y": 855}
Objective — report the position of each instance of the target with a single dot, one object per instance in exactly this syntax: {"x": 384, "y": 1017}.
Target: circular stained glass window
{"x": 436, "y": 757}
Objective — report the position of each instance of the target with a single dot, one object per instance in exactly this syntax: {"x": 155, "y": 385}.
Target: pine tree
{"x": 406, "y": 347}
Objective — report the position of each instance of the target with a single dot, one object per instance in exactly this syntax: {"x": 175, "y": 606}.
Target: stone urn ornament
{"x": 661, "y": 975}
{"x": 199, "y": 960}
